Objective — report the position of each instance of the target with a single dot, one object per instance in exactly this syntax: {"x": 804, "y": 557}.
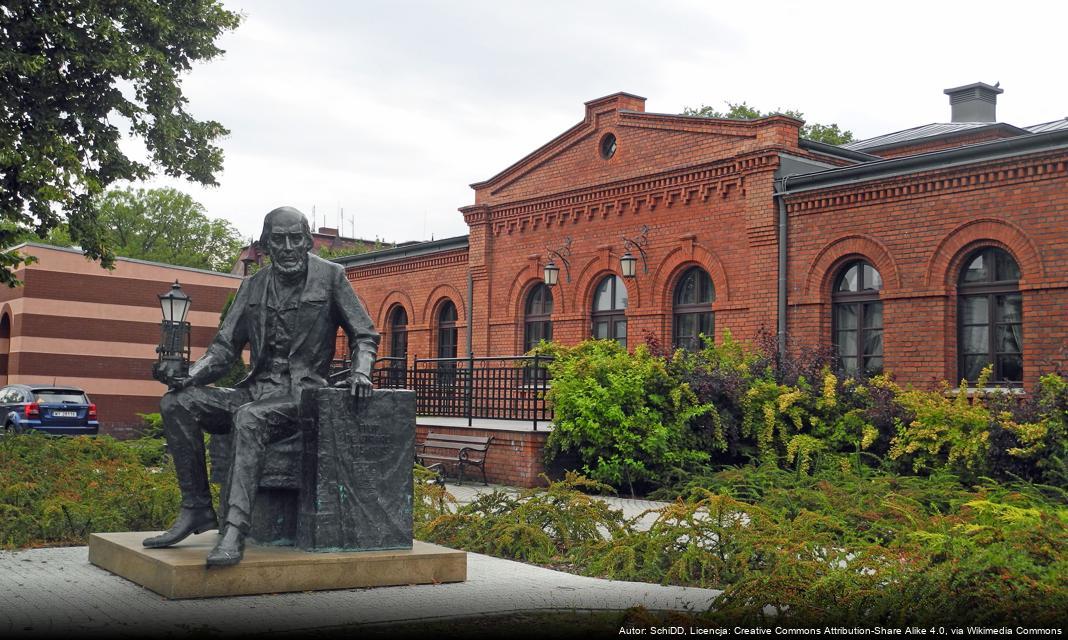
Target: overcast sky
{"x": 389, "y": 110}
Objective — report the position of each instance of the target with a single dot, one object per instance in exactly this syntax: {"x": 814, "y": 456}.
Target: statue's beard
{"x": 290, "y": 264}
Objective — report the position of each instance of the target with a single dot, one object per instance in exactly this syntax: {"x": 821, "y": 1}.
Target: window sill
{"x": 971, "y": 392}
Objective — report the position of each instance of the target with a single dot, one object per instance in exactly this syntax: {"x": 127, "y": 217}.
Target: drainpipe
{"x": 780, "y": 342}
{"x": 470, "y": 312}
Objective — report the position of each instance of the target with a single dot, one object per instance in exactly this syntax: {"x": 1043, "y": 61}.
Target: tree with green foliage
{"x": 76, "y": 74}
{"x": 826, "y": 133}
{"x": 166, "y": 225}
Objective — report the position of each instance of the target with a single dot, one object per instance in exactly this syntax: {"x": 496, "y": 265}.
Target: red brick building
{"x": 927, "y": 253}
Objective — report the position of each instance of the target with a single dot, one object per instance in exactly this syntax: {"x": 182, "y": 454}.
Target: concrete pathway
{"x": 56, "y": 592}
{"x": 631, "y": 507}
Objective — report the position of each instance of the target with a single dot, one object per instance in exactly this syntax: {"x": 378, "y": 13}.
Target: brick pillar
{"x": 479, "y": 261}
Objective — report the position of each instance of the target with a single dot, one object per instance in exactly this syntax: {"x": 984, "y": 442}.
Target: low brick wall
{"x": 514, "y": 458}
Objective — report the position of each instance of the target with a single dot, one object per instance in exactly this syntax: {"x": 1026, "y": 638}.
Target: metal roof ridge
{"x": 978, "y": 152}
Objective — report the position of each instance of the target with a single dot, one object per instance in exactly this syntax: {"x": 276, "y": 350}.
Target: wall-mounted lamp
{"x": 627, "y": 262}
{"x": 551, "y": 273}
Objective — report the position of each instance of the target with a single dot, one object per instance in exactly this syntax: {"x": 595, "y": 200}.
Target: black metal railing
{"x": 505, "y": 388}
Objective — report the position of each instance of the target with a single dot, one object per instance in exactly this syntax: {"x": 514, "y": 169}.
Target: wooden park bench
{"x": 464, "y": 451}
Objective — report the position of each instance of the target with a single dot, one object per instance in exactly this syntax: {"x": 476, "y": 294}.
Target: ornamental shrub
{"x": 1029, "y": 439}
{"x": 626, "y": 417}
{"x": 794, "y": 424}
{"x": 947, "y": 430}
{"x": 542, "y": 526}
{"x": 719, "y": 375}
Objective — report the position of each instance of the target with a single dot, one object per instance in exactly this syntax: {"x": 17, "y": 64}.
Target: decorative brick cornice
{"x": 475, "y": 214}
{"x": 908, "y": 187}
{"x": 721, "y": 179}
{"x": 405, "y": 266}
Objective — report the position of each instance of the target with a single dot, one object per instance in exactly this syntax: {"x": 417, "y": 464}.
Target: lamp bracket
{"x": 563, "y": 253}
{"x": 639, "y": 243}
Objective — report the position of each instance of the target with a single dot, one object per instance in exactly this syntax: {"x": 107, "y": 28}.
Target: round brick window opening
{"x": 608, "y": 146}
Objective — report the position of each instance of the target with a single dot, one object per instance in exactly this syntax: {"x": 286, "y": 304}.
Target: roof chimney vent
{"x": 974, "y": 102}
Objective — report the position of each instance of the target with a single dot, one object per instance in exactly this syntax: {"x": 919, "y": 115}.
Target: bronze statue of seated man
{"x": 288, "y": 315}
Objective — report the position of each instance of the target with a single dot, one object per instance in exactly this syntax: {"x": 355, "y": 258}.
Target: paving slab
{"x": 57, "y": 592}
{"x": 631, "y": 507}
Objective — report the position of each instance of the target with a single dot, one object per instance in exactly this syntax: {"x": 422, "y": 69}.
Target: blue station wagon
{"x": 48, "y": 408}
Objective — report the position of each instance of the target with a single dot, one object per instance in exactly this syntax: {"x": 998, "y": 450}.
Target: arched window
{"x": 537, "y": 317}
{"x": 609, "y": 310}
{"x": 692, "y": 314}
{"x": 447, "y": 330}
{"x": 857, "y": 319}
{"x": 397, "y": 368}
{"x": 990, "y": 316}
{"x": 398, "y": 332}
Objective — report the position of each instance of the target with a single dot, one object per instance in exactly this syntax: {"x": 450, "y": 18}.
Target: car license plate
{"x": 65, "y": 414}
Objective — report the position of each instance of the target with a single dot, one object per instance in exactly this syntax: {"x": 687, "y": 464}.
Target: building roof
{"x": 941, "y": 159}
{"x": 1056, "y": 125}
{"x": 53, "y": 247}
{"x": 405, "y": 250}
{"x": 933, "y": 130}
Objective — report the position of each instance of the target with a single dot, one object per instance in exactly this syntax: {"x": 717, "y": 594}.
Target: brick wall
{"x": 916, "y": 230}
{"x": 420, "y": 285}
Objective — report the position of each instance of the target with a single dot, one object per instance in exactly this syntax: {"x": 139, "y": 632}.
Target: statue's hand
{"x": 177, "y": 384}
{"x": 360, "y": 385}
{"x": 169, "y": 374}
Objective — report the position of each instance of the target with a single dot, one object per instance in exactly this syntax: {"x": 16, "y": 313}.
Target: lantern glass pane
{"x": 165, "y": 303}
{"x": 181, "y": 308}
{"x": 551, "y": 274}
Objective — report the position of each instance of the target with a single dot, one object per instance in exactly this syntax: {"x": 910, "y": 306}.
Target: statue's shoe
{"x": 230, "y": 549}
{"x": 189, "y": 521}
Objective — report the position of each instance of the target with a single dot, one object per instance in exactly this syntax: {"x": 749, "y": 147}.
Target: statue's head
{"x": 287, "y": 238}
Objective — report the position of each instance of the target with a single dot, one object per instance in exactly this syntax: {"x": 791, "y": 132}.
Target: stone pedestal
{"x": 179, "y": 572}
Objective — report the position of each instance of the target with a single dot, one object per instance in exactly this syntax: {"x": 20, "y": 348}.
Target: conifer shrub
{"x": 535, "y": 525}
{"x": 58, "y": 490}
